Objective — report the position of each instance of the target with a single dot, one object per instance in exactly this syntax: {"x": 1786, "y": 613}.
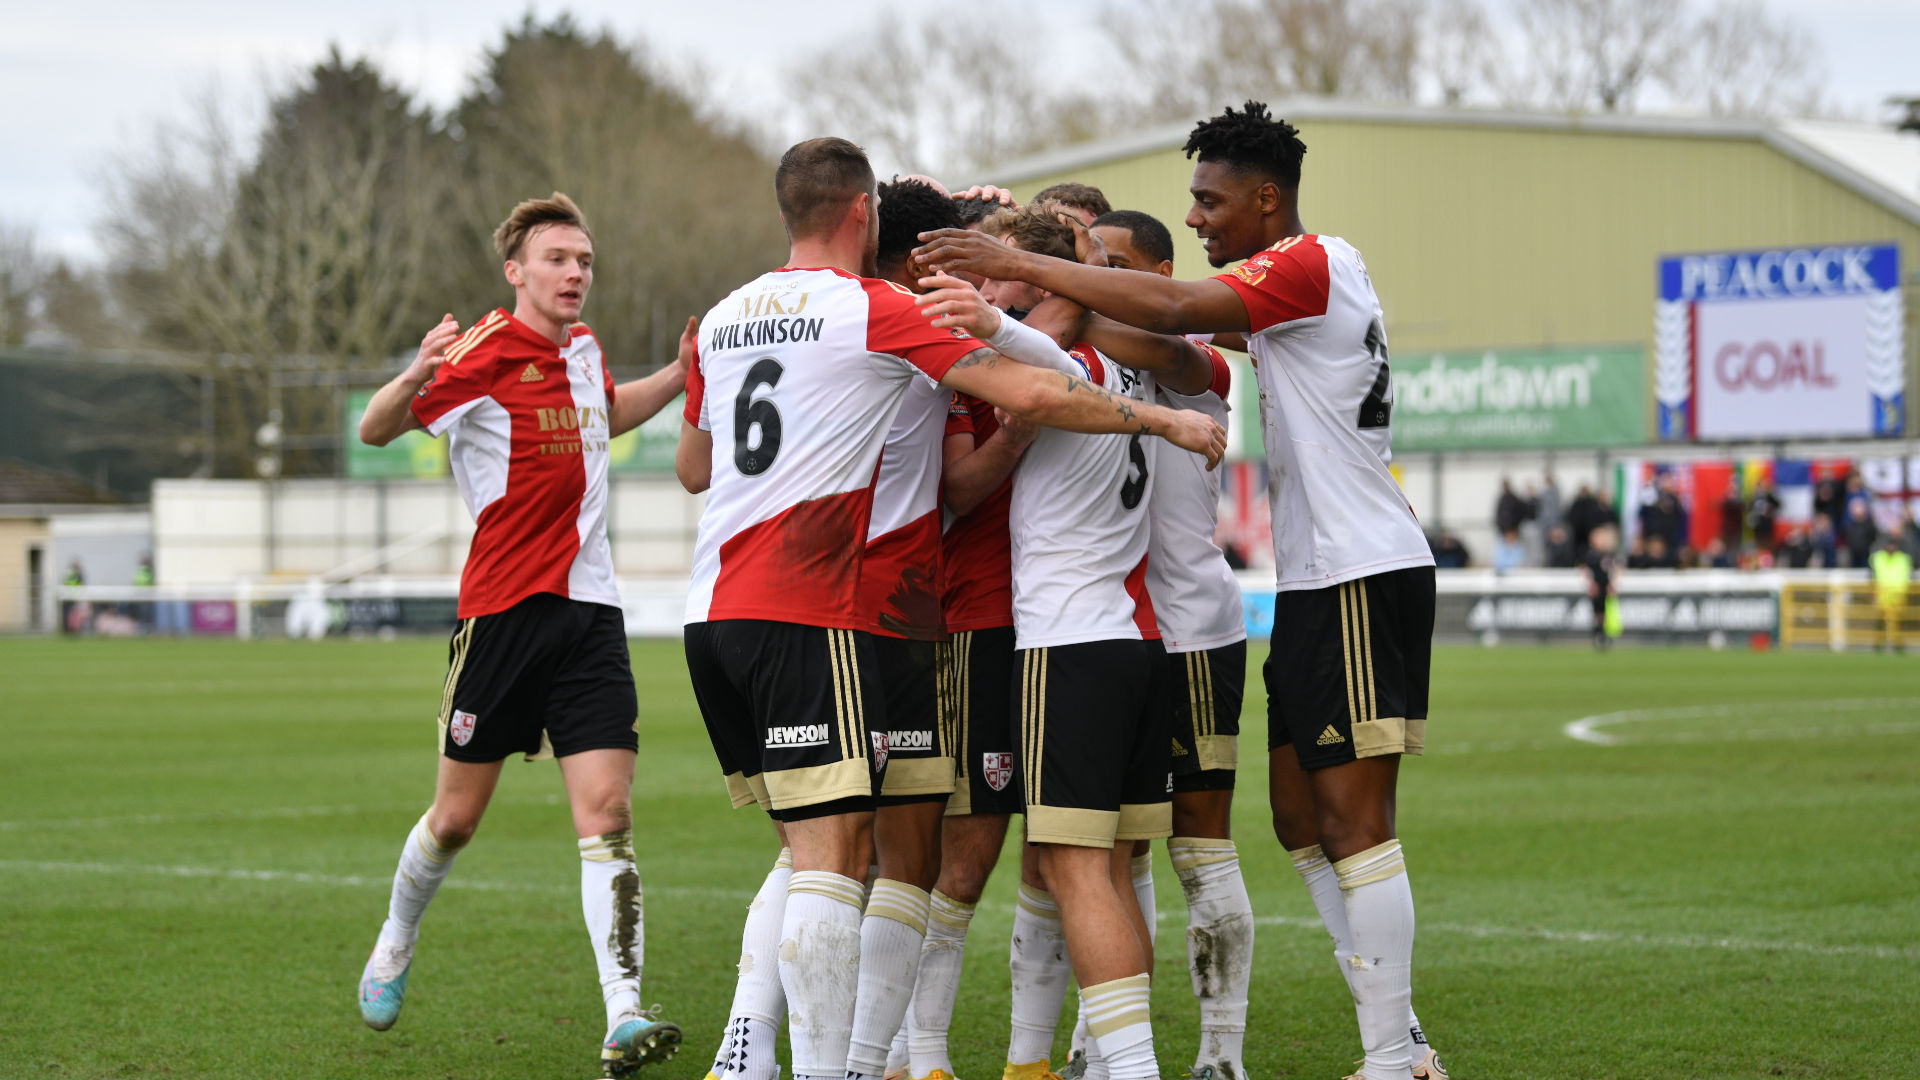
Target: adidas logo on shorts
{"x": 1329, "y": 737}
{"x": 532, "y": 374}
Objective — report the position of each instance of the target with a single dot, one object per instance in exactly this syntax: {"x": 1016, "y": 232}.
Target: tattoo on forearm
{"x": 977, "y": 358}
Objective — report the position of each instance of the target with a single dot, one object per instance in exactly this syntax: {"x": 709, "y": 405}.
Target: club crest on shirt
{"x": 879, "y": 750}
{"x": 461, "y": 726}
{"x": 997, "y": 769}
{"x": 1254, "y": 270}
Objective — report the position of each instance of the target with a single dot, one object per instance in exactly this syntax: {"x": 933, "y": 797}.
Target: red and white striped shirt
{"x": 530, "y": 429}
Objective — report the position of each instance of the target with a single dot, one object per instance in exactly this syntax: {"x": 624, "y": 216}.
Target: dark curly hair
{"x": 907, "y": 209}
{"x": 1250, "y": 141}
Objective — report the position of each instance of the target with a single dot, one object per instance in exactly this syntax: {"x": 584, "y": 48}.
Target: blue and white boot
{"x": 383, "y": 984}
{"x": 638, "y": 1038}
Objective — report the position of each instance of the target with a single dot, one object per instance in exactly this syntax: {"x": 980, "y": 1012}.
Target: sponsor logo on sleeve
{"x": 997, "y": 769}
{"x": 1254, "y": 270}
{"x": 462, "y": 727}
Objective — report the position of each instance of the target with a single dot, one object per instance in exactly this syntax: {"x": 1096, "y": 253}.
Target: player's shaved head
{"x": 907, "y": 209}
{"x": 1032, "y": 228}
{"x": 1250, "y": 141}
{"x": 1150, "y": 238}
{"x": 510, "y": 237}
{"x": 815, "y": 182}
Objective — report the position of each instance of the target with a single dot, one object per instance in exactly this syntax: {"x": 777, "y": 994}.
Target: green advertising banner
{"x": 649, "y": 447}
{"x": 1520, "y": 399}
{"x": 415, "y": 454}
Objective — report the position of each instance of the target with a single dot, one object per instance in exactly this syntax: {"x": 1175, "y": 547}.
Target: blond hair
{"x": 1034, "y": 228}
{"x": 510, "y": 238}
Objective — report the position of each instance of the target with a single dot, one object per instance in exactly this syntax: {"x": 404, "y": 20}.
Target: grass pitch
{"x": 196, "y": 839}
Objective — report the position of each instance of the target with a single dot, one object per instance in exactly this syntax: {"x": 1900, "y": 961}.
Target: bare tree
{"x": 1597, "y": 54}
{"x": 20, "y": 270}
{"x": 1459, "y": 53}
{"x": 1745, "y": 62}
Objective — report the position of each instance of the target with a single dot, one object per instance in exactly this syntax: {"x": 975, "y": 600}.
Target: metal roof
{"x": 1874, "y": 161}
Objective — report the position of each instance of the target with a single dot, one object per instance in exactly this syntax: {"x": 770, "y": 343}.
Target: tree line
{"x": 311, "y": 257}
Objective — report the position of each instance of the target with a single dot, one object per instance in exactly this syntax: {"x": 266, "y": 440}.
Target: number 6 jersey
{"x": 1319, "y": 342}
{"x": 1079, "y": 525}
{"x": 798, "y": 378}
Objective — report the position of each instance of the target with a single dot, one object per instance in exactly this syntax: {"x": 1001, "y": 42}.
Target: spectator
{"x": 1763, "y": 513}
{"x": 1559, "y": 547}
{"x": 1637, "y": 554}
{"x": 75, "y": 576}
{"x": 1892, "y": 576}
{"x": 1797, "y": 550}
{"x": 1825, "y": 542}
{"x": 1510, "y": 511}
{"x": 1583, "y": 516}
{"x": 1860, "y": 532}
{"x": 1910, "y": 533}
{"x": 1857, "y": 496}
{"x": 1664, "y": 516}
{"x": 1716, "y": 557}
{"x": 1829, "y": 502}
{"x": 1659, "y": 555}
{"x": 1448, "y": 552}
{"x": 1733, "y": 520}
{"x": 1508, "y": 552}
{"x": 1546, "y": 502}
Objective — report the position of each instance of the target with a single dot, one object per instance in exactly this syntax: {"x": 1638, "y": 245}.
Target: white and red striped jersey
{"x": 1078, "y": 523}
{"x": 976, "y": 589}
{"x": 799, "y": 375}
{"x": 529, "y": 451}
{"x": 1319, "y": 341}
{"x": 900, "y": 577}
{"x": 1196, "y": 599}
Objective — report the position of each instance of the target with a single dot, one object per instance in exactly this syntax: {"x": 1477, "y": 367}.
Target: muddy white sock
{"x": 1379, "y": 904}
{"x": 897, "y": 1053}
{"x": 610, "y": 899}
{"x": 1323, "y": 886}
{"x": 931, "y": 1012}
{"x": 1037, "y": 958}
{"x": 424, "y": 864}
{"x": 759, "y": 1001}
{"x": 891, "y": 937}
{"x": 820, "y": 969}
{"x": 1219, "y": 946}
{"x": 1122, "y": 1027}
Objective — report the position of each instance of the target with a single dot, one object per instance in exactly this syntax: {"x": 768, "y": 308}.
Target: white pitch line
{"x": 352, "y": 881}
{"x": 1607, "y": 937}
{"x": 255, "y": 814}
{"x": 1588, "y": 729}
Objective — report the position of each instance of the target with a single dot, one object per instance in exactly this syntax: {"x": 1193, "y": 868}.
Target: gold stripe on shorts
{"x": 1366, "y": 647}
{"x": 839, "y": 690}
{"x": 1346, "y": 653}
{"x": 461, "y": 639}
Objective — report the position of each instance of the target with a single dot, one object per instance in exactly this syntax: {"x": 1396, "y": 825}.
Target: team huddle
{"x": 956, "y": 565}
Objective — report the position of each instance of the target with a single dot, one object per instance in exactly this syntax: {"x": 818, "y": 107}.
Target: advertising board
{"x": 1520, "y": 399}
{"x": 1784, "y": 343}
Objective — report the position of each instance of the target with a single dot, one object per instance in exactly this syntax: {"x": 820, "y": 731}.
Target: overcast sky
{"x": 86, "y": 79}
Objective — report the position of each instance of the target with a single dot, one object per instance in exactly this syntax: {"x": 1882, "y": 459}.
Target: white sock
{"x": 1121, "y": 1021}
{"x": 1419, "y": 1037}
{"x": 891, "y": 938}
{"x": 424, "y": 864}
{"x": 759, "y": 1001}
{"x": 1379, "y": 904}
{"x": 931, "y": 1012}
{"x": 610, "y": 899}
{"x": 1219, "y": 946}
{"x": 1080, "y": 1039}
{"x": 1037, "y": 958}
{"x": 1323, "y": 885}
{"x": 820, "y": 969}
{"x": 897, "y": 1060}
{"x": 1143, "y": 892}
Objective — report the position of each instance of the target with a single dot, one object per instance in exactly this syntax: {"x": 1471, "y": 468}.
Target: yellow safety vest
{"x": 1891, "y": 571}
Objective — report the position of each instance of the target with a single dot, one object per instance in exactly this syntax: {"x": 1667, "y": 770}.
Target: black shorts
{"x": 976, "y": 682}
{"x": 789, "y": 709}
{"x": 1207, "y": 688}
{"x": 1094, "y": 738}
{"x": 919, "y": 745}
{"x": 547, "y": 677}
{"x": 1347, "y": 675}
